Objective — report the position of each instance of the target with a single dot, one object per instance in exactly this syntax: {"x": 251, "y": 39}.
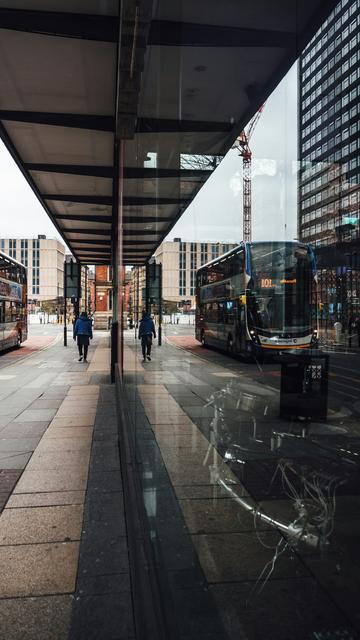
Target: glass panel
{"x": 245, "y": 407}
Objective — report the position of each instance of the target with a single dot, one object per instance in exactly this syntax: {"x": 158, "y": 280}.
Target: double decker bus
{"x": 13, "y": 302}
{"x": 259, "y": 297}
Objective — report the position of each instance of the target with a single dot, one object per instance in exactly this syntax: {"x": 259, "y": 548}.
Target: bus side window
{"x": 221, "y": 312}
{"x": 7, "y": 311}
{"x": 230, "y": 312}
{"x": 15, "y": 311}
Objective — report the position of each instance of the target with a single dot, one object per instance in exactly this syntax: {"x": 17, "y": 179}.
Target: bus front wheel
{"x": 203, "y": 342}
{"x": 18, "y": 340}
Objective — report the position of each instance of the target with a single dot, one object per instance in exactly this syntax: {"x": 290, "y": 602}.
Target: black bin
{"x": 304, "y": 385}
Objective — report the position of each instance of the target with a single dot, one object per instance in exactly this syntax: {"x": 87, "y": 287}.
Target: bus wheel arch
{"x": 19, "y": 339}
{"x": 202, "y": 338}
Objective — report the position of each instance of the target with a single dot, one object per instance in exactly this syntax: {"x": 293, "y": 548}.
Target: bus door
{"x": 221, "y": 326}
{"x": 8, "y": 325}
{"x": 241, "y": 325}
{"x": 228, "y": 325}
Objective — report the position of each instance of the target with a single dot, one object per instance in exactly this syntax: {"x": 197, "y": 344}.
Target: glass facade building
{"x": 329, "y": 145}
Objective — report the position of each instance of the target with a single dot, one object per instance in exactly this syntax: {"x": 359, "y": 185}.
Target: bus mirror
{"x": 243, "y": 299}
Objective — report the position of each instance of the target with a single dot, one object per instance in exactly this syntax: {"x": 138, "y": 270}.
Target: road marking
{"x": 347, "y": 386}
{"x": 340, "y": 375}
{"x": 350, "y": 395}
{"x": 334, "y": 366}
{"x": 225, "y": 375}
{"x": 5, "y": 377}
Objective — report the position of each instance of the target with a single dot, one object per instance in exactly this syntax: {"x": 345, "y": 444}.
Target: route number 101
{"x": 266, "y": 283}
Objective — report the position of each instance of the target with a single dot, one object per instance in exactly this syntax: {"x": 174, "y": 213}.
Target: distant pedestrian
{"x": 146, "y": 332}
{"x": 83, "y": 333}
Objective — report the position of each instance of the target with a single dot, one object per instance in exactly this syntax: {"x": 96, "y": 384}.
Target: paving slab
{"x": 15, "y": 460}
{"x": 36, "y": 415}
{"x": 47, "y": 403}
{"x": 36, "y": 481}
{"x": 63, "y": 444}
{"x": 38, "y": 569}
{"x": 45, "y": 499}
{"x": 69, "y": 421}
{"x": 17, "y": 445}
{"x": 89, "y": 390}
{"x": 40, "y": 618}
{"x": 69, "y": 432}
{"x": 40, "y": 524}
{"x": 60, "y": 459}
{"x": 104, "y": 616}
{"x": 24, "y": 429}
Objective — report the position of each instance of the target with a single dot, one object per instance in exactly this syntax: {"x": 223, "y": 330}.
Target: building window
{"x": 193, "y": 267}
{"x": 214, "y": 251}
{"x": 203, "y": 253}
{"x": 192, "y": 282}
{"x": 182, "y": 269}
{"x": 182, "y": 283}
{"x": 12, "y": 248}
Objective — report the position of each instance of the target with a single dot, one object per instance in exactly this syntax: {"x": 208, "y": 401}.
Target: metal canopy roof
{"x": 178, "y": 82}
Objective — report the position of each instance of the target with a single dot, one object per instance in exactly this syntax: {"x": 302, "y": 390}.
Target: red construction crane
{"x": 242, "y": 145}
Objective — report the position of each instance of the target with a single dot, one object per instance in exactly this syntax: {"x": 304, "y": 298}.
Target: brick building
{"x": 103, "y": 297}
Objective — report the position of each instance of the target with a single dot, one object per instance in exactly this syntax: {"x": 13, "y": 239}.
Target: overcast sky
{"x": 216, "y": 212}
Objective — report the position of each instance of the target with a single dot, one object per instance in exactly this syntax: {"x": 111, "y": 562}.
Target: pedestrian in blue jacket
{"x": 146, "y": 332}
{"x": 83, "y": 333}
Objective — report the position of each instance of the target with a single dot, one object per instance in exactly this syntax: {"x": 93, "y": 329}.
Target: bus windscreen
{"x": 280, "y": 287}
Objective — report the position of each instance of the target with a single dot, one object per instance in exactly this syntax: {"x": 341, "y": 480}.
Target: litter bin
{"x": 304, "y": 385}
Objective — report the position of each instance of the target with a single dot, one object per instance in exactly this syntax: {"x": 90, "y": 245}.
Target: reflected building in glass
{"x": 329, "y": 145}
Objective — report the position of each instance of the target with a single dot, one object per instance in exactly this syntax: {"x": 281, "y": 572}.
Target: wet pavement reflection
{"x": 254, "y": 519}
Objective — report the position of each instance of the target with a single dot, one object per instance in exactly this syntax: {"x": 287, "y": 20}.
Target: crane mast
{"x": 242, "y": 145}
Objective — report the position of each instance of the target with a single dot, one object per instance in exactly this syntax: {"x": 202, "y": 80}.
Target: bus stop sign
{"x": 72, "y": 277}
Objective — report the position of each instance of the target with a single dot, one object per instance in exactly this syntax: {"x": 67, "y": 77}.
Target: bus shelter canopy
{"x": 176, "y": 81}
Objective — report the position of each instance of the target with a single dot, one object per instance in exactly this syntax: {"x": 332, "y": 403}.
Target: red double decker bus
{"x": 13, "y": 302}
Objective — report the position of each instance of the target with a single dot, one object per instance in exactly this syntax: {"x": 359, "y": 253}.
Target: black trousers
{"x": 83, "y": 345}
{"x": 146, "y": 344}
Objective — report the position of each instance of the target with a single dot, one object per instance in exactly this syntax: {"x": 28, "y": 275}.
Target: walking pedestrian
{"x": 83, "y": 333}
{"x": 146, "y": 332}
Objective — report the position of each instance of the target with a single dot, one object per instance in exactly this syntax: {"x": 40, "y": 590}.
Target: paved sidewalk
{"x": 63, "y": 553}
{"x": 208, "y": 461}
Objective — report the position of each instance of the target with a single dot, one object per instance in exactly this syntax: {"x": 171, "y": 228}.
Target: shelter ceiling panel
{"x": 92, "y": 248}
{"x": 166, "y": 148}
{"x": 92, "y": 7}
{"x": 157, "y": 227}
{"x": 160, "y": 210}
{"x": 218, "y": 93}
{"x": 77, "y": 208}
{"x": 73, "y": 236}
{"x": 67, "y": 225}
{"x": 250, "y": 15}
{"x": 151, "y": 235}
{"x": 162, "y": 187}
{"x": 60, "y": 145}
{"x": 56, "y": 75}
{"x": 65, "y": 183}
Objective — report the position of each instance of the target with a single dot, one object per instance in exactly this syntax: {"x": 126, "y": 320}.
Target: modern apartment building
{"x": 44, "y": 259}
{"x": 329, "y": 153}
